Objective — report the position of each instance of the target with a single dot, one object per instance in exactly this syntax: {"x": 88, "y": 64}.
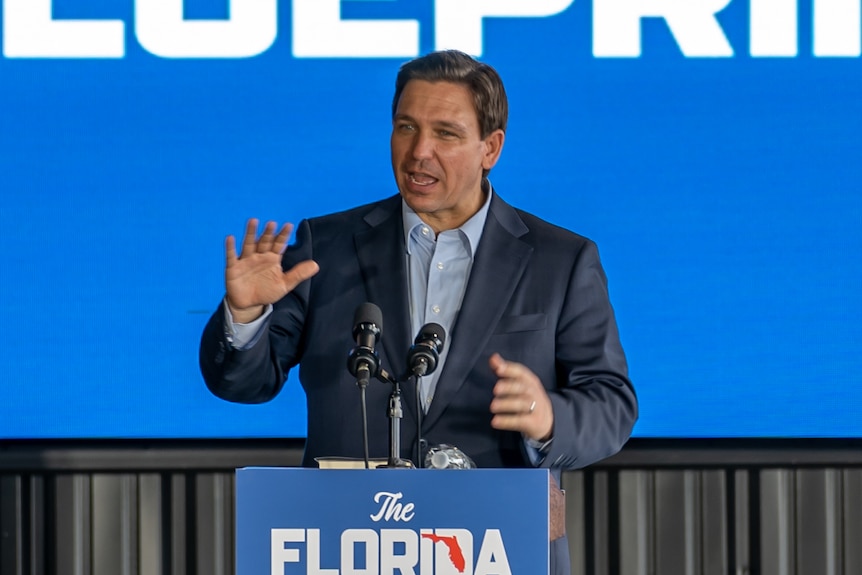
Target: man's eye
{"x": 406, "y": 127}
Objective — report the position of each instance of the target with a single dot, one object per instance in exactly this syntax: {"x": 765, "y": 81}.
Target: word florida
{"x": 390, "y": 552}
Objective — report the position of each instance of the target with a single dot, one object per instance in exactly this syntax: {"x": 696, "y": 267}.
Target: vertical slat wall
{"x": 621, "y": 521}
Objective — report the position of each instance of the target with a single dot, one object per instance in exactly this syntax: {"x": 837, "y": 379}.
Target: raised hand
{"x": 255, "y": 278}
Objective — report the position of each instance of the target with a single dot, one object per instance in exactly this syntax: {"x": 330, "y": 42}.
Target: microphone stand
{"x": 362, "y": 383}
{"x": 396, "y": 413}
{"x": 414, "y": 379}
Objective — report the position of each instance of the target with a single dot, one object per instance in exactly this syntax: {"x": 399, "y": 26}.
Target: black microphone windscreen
{"x": 368, "y": 313}
{"x": 432, "y": 331}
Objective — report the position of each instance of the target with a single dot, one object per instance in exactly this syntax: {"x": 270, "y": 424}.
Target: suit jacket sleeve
{"x": 594, "y": 402}
{"x": 257, "y": 374}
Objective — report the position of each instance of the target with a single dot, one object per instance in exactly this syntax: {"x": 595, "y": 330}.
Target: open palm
{"x": 255, "y": 278}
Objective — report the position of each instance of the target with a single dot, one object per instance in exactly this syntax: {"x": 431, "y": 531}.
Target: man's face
{"x": 438, "y": 154}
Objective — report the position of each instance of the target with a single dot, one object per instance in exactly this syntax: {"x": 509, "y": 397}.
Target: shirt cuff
{"x": 242, "y": 336}
{"x": 537, "y": 450}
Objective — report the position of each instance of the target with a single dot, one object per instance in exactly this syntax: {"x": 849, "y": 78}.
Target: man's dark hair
{"x": 489, "y": 96}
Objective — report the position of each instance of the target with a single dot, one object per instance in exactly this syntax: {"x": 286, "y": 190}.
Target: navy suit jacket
{"x": 537, "y": 295}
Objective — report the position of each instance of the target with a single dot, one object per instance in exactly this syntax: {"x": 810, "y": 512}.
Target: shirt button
{"x": 425, "y": 231}
{"x": 439, "y": 265}
{"x": 435, "y": 309}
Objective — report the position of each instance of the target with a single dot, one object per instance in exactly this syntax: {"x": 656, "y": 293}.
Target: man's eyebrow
{"x": 454, "y": 126}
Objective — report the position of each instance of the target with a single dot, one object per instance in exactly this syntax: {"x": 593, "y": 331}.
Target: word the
{"x": 391, "y": 508}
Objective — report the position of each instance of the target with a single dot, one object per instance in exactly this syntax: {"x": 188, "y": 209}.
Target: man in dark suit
{"x": 532, "y": 373}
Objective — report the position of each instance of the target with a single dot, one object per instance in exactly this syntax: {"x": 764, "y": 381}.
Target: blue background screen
{"x": 724, "y": 193}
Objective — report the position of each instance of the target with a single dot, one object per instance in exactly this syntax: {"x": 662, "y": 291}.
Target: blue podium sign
{"x": 391, "y": 522}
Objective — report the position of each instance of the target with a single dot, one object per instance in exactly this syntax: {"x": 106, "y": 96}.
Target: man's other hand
{"x": 520, "y": 401}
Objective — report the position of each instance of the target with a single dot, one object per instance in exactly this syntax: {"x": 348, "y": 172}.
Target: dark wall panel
{"x": 96, "y": 515}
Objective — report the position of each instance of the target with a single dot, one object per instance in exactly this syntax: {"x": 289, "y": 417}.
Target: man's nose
{"x": 423, "y": 146}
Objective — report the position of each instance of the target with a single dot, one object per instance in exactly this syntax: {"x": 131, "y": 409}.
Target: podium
{"x": 292, "y": 521}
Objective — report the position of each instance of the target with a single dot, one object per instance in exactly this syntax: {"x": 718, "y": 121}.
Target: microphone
{"x": 422, "y": 359}
{"x": 423, "y": 355}
{"x": 363, "y": 361}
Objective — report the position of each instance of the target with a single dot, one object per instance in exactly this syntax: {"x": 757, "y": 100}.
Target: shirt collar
{"x": 472, "y": 228}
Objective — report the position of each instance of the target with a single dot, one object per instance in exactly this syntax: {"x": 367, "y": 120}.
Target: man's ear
{"x": 493, "y": 147}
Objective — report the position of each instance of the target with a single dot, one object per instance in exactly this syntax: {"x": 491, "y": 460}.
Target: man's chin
{"x": 419, "y": 203}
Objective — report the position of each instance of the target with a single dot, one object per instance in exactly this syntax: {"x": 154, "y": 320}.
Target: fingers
{"x": 497, "y": 363}
{"x": 281, "y": 239}
{"x": 269, "y": 241}
{"x": 299, "y": 273}
{"x": 230, "y": 251}
{"x": 268, "y": 238}
{"x": 249, "y": 245}
{"x": 520, "y": 401}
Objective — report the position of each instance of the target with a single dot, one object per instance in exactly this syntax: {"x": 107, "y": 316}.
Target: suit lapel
{"x": 499, "y": 264}
{"x": 381, "y": 253}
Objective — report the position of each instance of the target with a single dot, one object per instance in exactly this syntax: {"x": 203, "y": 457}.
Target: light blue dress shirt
{"x": 438, "y": 271}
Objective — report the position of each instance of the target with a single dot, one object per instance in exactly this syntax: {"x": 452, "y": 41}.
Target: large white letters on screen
{"x": 29, "y": 31}
{"x": 774, "y": 25}
{"x": 458, "y": 23}
{"x": 319, "y": 32}
{"x": 617, "y": 26}
{"x": 250, "y": 30}
{"x": 837, "y": 25}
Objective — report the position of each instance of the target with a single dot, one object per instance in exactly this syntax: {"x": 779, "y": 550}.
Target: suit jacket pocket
{"x": 516, "y": 323}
